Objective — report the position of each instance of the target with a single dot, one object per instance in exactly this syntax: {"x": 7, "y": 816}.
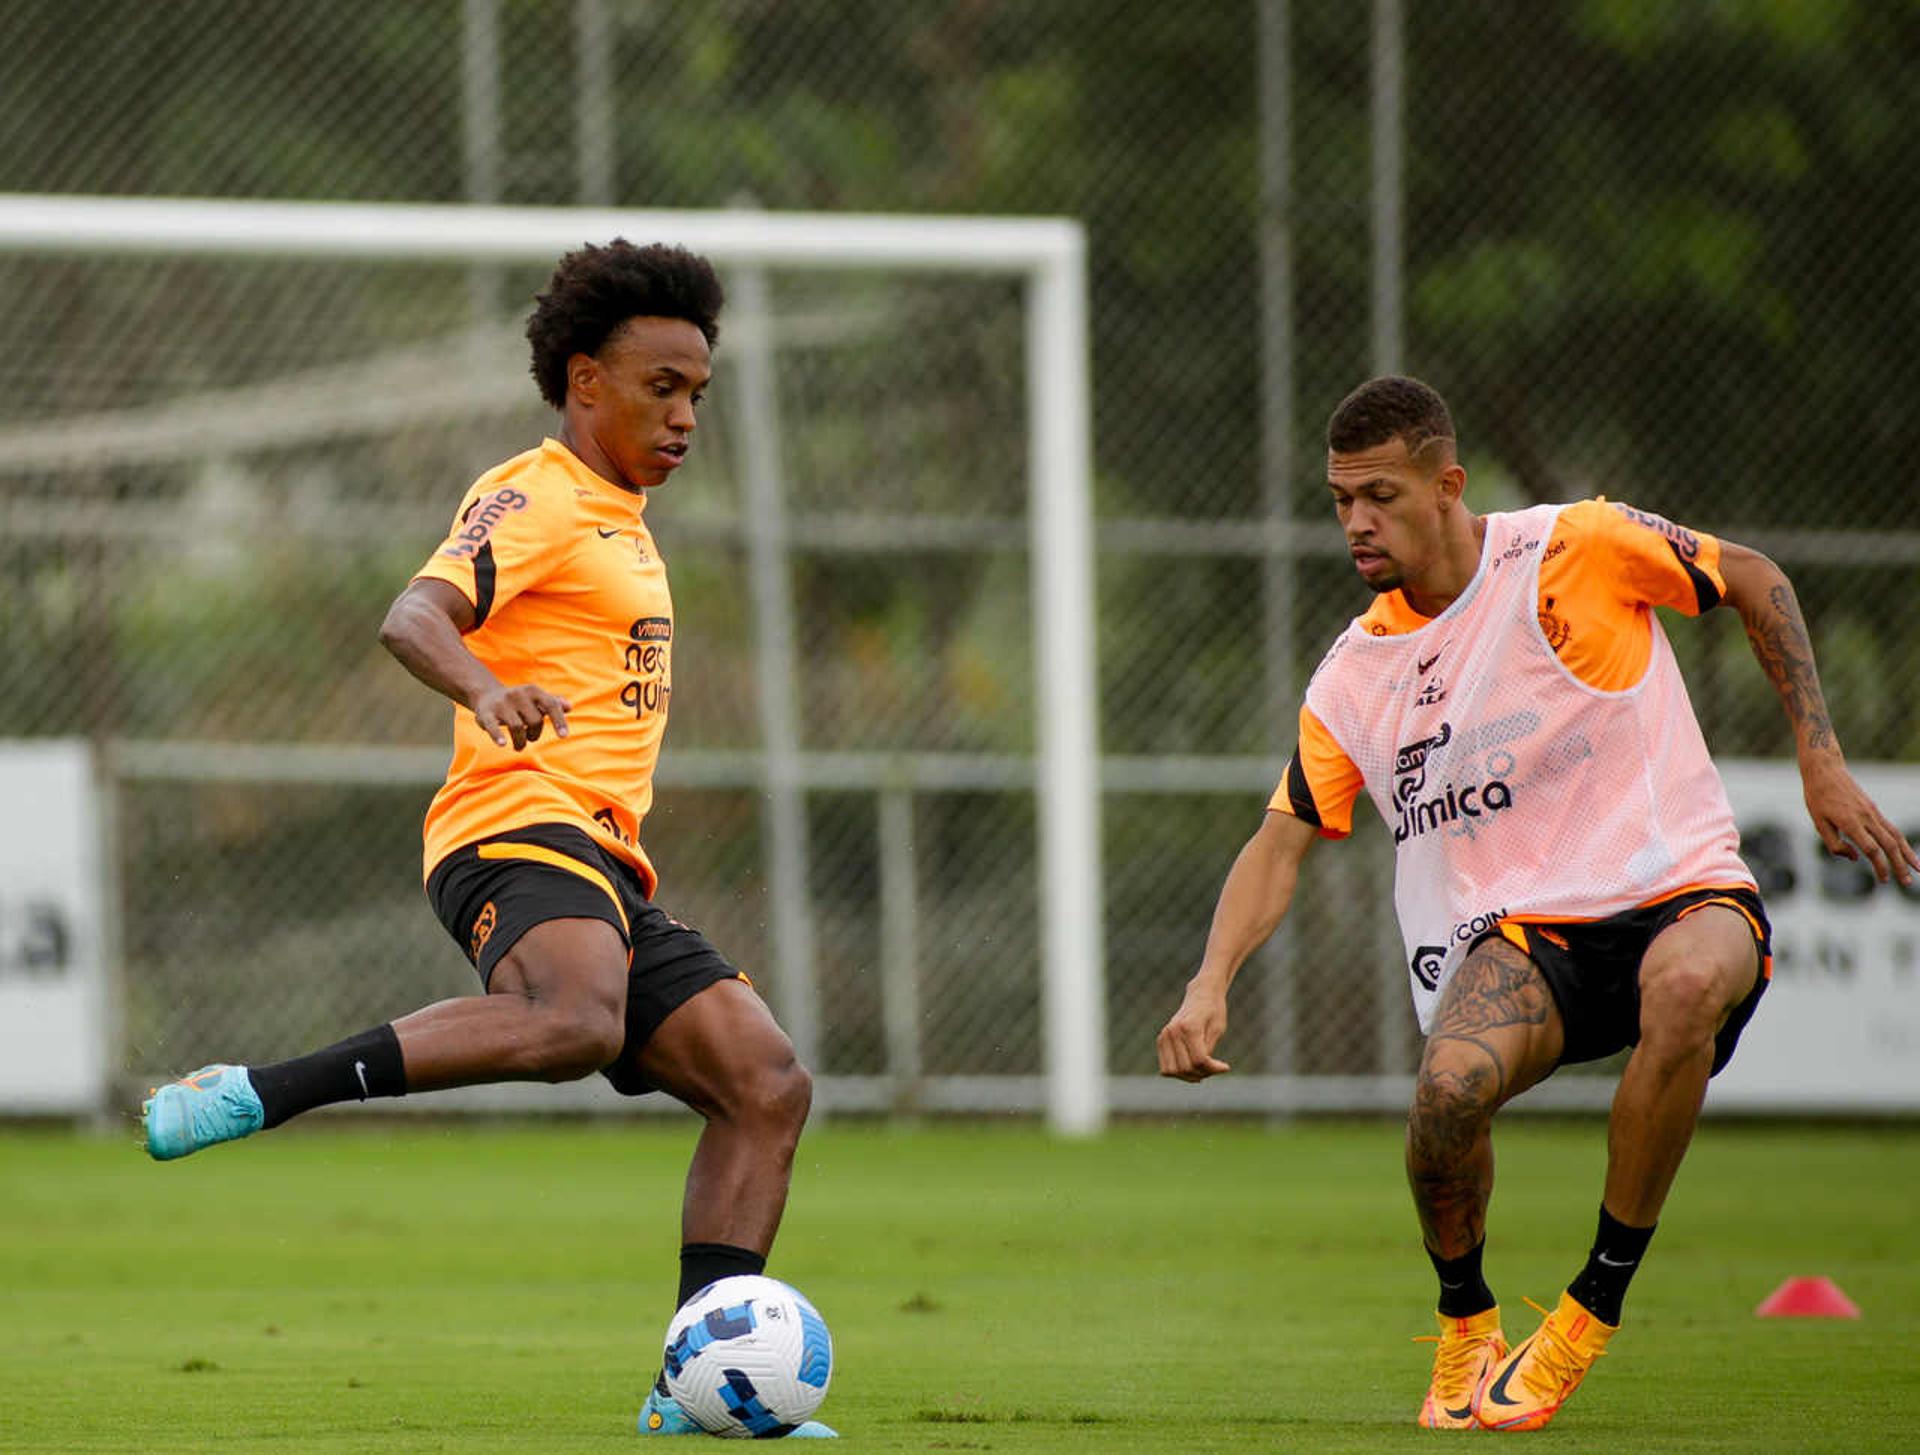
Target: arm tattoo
{"x": 1778, "y": 634}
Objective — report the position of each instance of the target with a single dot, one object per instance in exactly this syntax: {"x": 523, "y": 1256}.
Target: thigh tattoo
{"x": 1496, "y": 987}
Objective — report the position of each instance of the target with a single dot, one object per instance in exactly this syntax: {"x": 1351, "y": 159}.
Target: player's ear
{"x": 583, "y": 378}
{"x": 1452, "y": 484}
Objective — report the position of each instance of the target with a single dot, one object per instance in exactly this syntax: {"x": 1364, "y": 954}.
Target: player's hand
{"x": 519, "y": 713}
{"x": 1851, "y": 824}
{"x": 1186, "y": 1042}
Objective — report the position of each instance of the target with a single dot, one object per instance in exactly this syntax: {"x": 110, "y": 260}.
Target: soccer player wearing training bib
{"x": 545, "y": 617}
{"x": 1567, "y": 878}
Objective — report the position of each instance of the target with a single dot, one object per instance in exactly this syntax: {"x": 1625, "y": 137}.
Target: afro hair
{"x": 595, "y": 289}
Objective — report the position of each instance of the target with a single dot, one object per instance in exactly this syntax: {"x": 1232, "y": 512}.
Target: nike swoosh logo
{"x": 606, "y": 535}
{"x": 1497, "y": 1391}
{"x": 1462, "y": 1412}
{"x": 360, "y": 1070}
{"x": 1431, "y": 660}
{"x": 1615, "y": 1262}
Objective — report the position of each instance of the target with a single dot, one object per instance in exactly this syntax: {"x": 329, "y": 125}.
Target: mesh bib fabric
{"x": 1512, "y": 787}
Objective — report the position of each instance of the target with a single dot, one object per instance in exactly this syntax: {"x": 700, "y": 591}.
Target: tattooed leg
{"x": 1495, "y": 1033}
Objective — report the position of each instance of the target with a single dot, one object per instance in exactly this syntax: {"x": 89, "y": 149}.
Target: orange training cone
{"x": 1808, "y": 1298}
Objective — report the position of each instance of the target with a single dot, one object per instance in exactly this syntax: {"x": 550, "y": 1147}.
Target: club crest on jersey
{"x": 1553, "y": 626}
{"x": 483, "y": 928}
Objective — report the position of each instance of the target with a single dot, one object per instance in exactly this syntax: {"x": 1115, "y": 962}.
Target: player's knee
{"x": 789, "y": 1096}
{"x": 1450, "y": 1105}
{"x": 776, "y": 1093}
{"x": 1456, "y": 1078}
{"x": 1683, "y": 1005}
{"x": 578, "y": 1039}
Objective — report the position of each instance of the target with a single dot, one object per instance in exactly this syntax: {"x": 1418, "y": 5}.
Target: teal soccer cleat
{"x": 214, "y": 1104}
{"x": 662, "y": 1415}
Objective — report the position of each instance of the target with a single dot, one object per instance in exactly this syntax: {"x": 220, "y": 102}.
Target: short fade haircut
{"x": 595, "y": 289}
{"x": 1390, "y": 407}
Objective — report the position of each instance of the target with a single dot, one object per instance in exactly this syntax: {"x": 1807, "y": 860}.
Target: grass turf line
{"x": 1181, "y": 1288}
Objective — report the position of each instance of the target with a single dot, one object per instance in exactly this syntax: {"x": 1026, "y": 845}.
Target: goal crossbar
{"x": 455, "y": 232}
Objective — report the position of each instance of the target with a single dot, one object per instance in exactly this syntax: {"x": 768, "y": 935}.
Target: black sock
{"x": 1602, "y": 1284}
{"x": 704, "y": 1263}
{"x": 361, "y": 1066}
{"x": 1463, "y": 1289}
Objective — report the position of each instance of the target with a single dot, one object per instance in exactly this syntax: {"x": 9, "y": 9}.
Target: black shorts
{"x": 491, "y": 892}
{"x": 1593, "y": 969}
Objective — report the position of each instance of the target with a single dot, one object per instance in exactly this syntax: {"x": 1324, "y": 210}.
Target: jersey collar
{"x": 582, "y": 474}
{"x": 1391, "y": 615}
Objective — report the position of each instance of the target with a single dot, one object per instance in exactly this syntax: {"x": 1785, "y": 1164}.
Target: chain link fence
{"x": 1659, "y": 252}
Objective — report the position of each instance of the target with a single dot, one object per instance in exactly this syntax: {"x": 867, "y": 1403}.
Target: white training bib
{"x": 1512, "y": 787}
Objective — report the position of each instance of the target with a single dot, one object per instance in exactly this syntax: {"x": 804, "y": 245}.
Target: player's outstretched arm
{"x": 1849, "y": 822}
{"x": 423, "y": 630}
{"x": 1252, "y": 903}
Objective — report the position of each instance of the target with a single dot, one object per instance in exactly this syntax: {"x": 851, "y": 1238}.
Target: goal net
{"x": 878, "y": 795}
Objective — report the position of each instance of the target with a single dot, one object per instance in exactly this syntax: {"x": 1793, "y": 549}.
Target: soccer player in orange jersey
{"x": 546, "y": 619}
{"x": 1567, "y": 875}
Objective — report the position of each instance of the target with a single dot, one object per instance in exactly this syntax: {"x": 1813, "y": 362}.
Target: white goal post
{"x": 1049, "y": 254}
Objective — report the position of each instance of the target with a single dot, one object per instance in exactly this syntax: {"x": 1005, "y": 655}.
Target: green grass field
{"x": 335, "y": 1287}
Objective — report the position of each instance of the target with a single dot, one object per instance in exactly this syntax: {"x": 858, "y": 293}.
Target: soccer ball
{"x": 748, "y": 1356}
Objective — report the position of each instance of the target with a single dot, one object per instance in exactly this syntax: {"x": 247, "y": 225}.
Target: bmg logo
{"x": 476, "y": 526}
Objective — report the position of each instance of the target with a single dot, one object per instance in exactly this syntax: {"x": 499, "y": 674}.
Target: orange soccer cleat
{"x": 1533, "y": 1381}
{"x": 1469, "y": 1349}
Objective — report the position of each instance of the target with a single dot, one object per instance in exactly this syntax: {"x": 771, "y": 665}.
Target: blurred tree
{"x": 1660, "y": 251}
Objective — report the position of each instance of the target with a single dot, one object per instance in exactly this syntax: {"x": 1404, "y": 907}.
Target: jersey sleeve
{"x": 1654, "y": 562}
{"x": 1321, "y": 781}
{"x": 506, "y": 539}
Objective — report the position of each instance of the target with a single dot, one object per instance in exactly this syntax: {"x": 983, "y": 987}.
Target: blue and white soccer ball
{"x": 748, "y": 1356}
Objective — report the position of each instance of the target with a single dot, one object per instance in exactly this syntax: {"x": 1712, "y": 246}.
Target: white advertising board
{"x": 53, "y": 992}
{"x": 1839, "y": 1029}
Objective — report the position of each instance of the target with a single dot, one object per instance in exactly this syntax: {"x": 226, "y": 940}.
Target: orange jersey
{"x": 1605, "y": 568}
{"x": 569, "y": 594}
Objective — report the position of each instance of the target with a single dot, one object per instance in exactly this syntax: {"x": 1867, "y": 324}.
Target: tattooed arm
{"x": 1849, "y": 823}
